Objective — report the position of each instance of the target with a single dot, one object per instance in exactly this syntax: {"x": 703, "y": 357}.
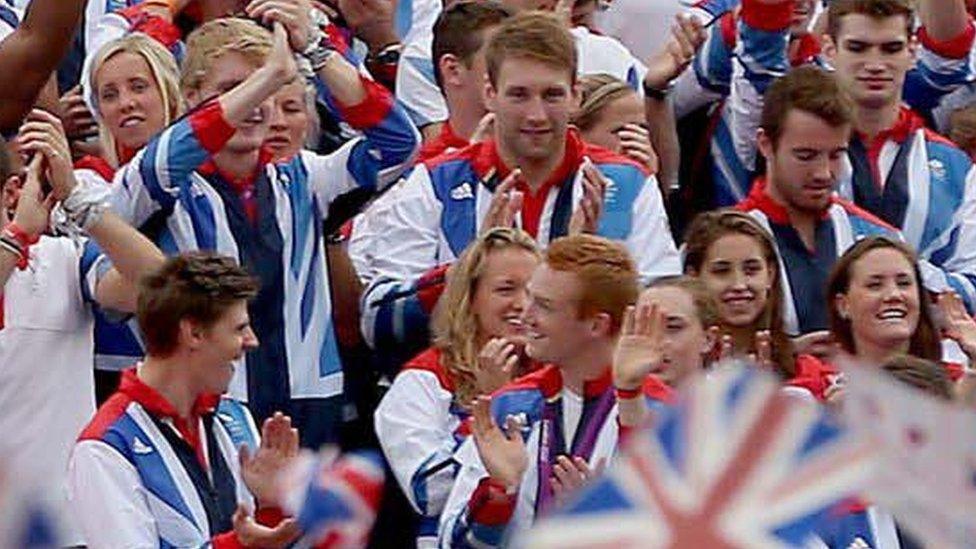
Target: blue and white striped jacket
{"x": 201, "y": 212}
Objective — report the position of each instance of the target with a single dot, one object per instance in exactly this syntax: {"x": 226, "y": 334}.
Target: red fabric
{"x": 597, "y": 386}
{"x": 156, "y": 404}
{"x": 547, "y": 380}
{"x": 759, "y": 199}
{"x": 161, "y": 30}
{"x": 110, "y": 411}
{"x": 804, "y": 49}
{"x": 269, "y": 516}
{"x": 954, "y": 370}
{"x": 490, "y": 505}
{"x": 627, "y": 394}
{"x": 813, "y": 375}
{"x": 243, "y": 186}
{"x": 210, "y": 127}
{"x": 370, "y": 111}
{"x": 96, "y": 164}
{"x": 430, "y": 361}
{"x": 445, "y": 142}
{"x": 227, "y": 540}
{"x": 954, "y": 48}
{"x": 431, "y": 286}
{"x": 727, "y": 25}
{"x": 907, "y": 123}
{"x": 655, "y": 389}
{"x": 767, "y": 17}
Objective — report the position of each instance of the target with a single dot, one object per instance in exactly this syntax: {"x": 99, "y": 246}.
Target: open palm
{"x": 640, "y": 348}
{"x": 502, "y": 453}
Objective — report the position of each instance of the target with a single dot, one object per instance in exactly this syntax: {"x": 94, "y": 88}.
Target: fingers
{"x": 764, "y": 348}
{"x": 726, "y": 347}
{"x": 481, "y": 422}
{"x": 285, "y": 532}
{"x": 513, "y": 429}
{"x": 627, "y": 326}
{"x": 244, "y": 456}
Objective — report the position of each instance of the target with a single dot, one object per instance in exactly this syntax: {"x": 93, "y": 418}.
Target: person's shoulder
{"x": 607, "y": 160}
{"x": 429, "y": 362}
{"x": 859, "y": 213}
{"x": 526, "y": 396}
{"x": 106, "y": 418}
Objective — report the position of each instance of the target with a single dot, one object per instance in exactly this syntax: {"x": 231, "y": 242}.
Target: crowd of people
{"x": 489, "y": 237}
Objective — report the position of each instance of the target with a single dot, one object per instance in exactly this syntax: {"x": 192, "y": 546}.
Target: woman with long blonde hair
{"x": 477, "y": 347}
{"x": 135, "y": 93}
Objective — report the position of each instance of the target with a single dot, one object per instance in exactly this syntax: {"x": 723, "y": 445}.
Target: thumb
{"x": 244, "y": 455}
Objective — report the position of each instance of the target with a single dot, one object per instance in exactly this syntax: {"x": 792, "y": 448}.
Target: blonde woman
{"x": 134, "y": 89}
{"x": 478, "y": 337}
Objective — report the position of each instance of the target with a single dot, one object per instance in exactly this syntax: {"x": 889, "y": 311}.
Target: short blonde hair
{"x": 218, "y": 37}
{"x": 164, "y": 72}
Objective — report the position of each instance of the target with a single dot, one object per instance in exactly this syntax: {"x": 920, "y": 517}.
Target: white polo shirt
{"x": 47, "y": 393}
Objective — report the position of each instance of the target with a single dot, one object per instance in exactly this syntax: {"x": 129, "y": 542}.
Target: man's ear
{"x": 192, "y": 334}
{"x": 601, "y": 325}
{"x": 490, "y": 95}
{"x": 828, "y": 48}
{"x": 450, "y": 67}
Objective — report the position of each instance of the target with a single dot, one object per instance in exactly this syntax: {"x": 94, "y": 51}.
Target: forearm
{"x": 132, "y": 254}
{"x": 239, "y": 103}
{"x": 32, "y": 53}
{"x": 943, "y": 19}
{"x": 664, "y": 139}
{"x": 632, "y": 412}
{"x": 342, "y": 80}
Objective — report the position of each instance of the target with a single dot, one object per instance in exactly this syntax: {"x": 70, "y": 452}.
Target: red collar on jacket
{"x": 445, "y": 141}
{"x": 156, "y": 404}
{"x": 549, "y": 381}
{"x": 486, "y": 160}
{"x": 806, "y": 49}
{"x": 759, "y": 199}
{"x": 208, "y": 168}
{"x": 907, "y": 123}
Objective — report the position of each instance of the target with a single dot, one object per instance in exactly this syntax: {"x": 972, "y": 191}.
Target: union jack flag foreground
{"x": 735, "y": 463}
{"x": 926, "y": 476}
{"x": 335, "y": 499}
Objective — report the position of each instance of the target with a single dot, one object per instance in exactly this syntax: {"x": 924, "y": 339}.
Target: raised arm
{"x": 84, "y": 208}
{"x": 32, "y": 52}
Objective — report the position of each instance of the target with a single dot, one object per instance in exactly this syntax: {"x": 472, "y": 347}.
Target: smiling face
{"x": 554, "y": 330}
{"x": 738, "y": 277}
{"x": 500, "y": 297}
{"x": 686, "y": 339}
{"x": 219, "y": 345}
{"x": 871, "y": 57}
{"x": 804, "y": 166}
{"x": 882, "y": 303}
{"x": 532, "y": 102}
{"x": 129, "y": 100}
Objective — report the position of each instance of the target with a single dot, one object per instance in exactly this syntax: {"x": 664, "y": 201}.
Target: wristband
{"x": 20, "y": 235}
{"x": 16, "y": 246}
{"x": 656, "y": 93}
{"x": 627, "y": 394}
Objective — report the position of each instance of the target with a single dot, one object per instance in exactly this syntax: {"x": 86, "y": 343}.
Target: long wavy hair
{"x": 165, "y": 74}
{"x": 454, "y": 327}
{"x": 925, "y": 342}
{"x": 708, "y": 228}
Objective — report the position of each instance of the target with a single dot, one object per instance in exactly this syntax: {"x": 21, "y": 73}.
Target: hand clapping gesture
{"x": 502, "y": 453}
{"x": 279, "y": 446}
{"x": 958, "y": 325}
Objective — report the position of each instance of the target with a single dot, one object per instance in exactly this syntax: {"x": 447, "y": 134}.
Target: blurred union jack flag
{"x": 335, "y": 499}
{"x": 927, "y": 470}
{"x": 737, "y": 462}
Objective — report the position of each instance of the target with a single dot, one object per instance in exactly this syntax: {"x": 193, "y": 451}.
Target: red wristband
{"x": 627, "y": 394}
{"x": 20, "y": 235}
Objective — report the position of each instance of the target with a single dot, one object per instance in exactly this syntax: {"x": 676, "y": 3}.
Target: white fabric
{"x": 572, "y": 412}
{"x": 631, "y": 21}
{"x": 46, "y": 357}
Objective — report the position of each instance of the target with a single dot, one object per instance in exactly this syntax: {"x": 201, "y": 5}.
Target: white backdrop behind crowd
{"x": 628, "y": 21}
